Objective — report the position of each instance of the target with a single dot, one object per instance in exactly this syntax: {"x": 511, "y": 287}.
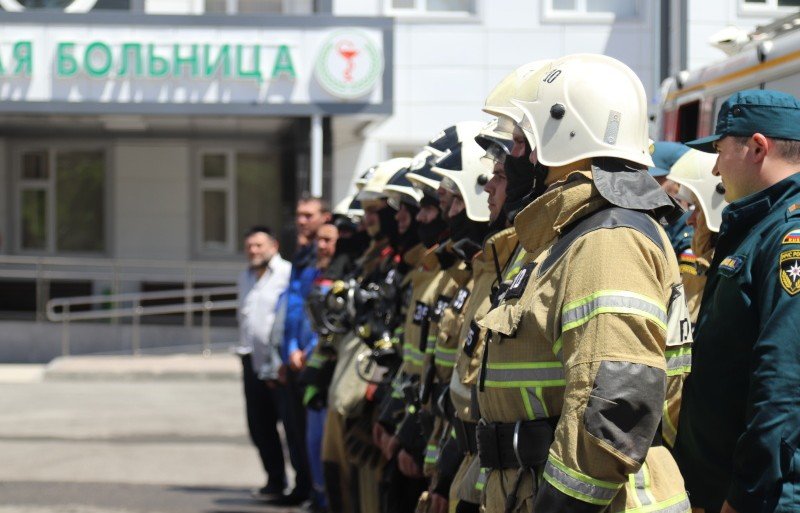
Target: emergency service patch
{"x": 472, "y": 338}
{"x": 790, "y": 271}
{"x": 687, "y": 261}
{"x": 519, "y": 283}
{"x": 460, "y": 300}
{"x": 730, "y": 265}
{"x": 420, "y": 313}
{"x": 438, "y": 309}
{"x": 793, "y": 237}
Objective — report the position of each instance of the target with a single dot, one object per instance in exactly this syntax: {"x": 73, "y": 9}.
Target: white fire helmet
{"x": 400, "y": 190}
{"x": 452, "y": 135}
{"x": 362, "y": 180}
{"x": 498, "y": 103}
{"x": 693, "y": 173}
{"x": 495, "y": 143}
{"x": 420, "y": 174}
{"x": 384, "y": 171}
{"x": 350, "y": 208}
{"x": 583, "y": 106}
{"x": 464, "y": 169}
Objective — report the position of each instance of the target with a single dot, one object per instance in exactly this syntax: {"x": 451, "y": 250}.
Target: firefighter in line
{"x": 513, "y": 185}
{"x": 574, "y": 372}
{"x": 463, "y": 173}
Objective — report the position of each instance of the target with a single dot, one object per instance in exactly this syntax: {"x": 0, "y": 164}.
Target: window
{"x": 765, "y": 6}
{"x": 590, "y": 10}
{"x": 249, "y": 6}
{"x": 428, "y": 7}
{"x": 237, "y": 189}
{"x": 72, "y": 6}
{"x": 61, "y": 201}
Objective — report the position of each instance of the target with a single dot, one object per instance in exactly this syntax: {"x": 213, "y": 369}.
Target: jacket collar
{"x": 744, "y": 213}
{"x": 414, "y": 256}
{"x": 564, "y": 202}
{"x": 504, "y": 242}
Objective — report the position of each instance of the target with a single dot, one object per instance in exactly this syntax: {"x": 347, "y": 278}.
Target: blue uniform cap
{"x": 767, "y": 112}
{"x": 665, "y": 155}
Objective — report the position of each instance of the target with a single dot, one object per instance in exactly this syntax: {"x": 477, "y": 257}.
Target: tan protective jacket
{"x": 423, "y": 280}
{"x": 583, "y": 339}
{"x": 471, "y": 303}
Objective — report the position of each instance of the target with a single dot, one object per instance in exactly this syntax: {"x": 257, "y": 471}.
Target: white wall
{"x": 443, "y": 69}
{"x": 152, "y": 208}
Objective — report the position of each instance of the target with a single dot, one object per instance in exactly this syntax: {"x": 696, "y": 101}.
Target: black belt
{"x": 466, "y": 438}
{"x": 524, "y": 444}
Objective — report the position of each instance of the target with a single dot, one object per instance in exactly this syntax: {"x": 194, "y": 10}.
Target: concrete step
{"x": 174, "y": 367}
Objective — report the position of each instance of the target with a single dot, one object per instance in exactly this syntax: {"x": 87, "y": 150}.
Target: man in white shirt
{"x": 260, "y": 286}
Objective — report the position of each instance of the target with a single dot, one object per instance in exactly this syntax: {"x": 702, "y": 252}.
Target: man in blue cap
{"x": 739, "y": 428}
{"x": 665, "y": 154}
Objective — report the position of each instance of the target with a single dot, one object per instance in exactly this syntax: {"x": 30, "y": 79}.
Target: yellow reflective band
{"x": 431, "y": 454}
{"x": 677, "y": 504}
{"x": 524, "y": 375}
{"x": 679, "y": 361}
{"x": 445, "y": 357}
{"x": 482, "y": 477}
{"x": 579, "y": 312}
{"x": 578, "y": 485}
{"x": 516, "y": 266}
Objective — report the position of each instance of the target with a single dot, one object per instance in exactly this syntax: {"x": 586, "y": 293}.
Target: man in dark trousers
{"x": 260, "y": 286}
{"x": 311, "y": 213}
{"x": 738, "y": 444}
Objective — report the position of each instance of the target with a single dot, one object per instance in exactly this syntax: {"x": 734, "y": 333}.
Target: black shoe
{"x": 293, "y": 499}
{"x": 267, "y": 493}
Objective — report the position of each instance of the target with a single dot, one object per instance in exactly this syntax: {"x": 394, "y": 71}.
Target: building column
{"x": 316, "y": 155}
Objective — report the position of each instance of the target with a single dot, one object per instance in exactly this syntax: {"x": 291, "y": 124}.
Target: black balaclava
{"x": 464, "y": 228}
{"x": 388, "y": 224}
{"x": 354, "y": 245}
{"x": 404, "y": 242}
{"x": 524, "y": 183}
{"x": 431, "y": 233}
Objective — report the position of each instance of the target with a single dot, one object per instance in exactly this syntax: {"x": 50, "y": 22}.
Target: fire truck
{"x": 767, "y": 58}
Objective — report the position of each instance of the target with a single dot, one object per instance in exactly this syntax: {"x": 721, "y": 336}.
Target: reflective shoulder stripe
{"x": 580, "y": 311}
{"x": 578, "y": 485}
{"x": 679, "y": 360}
{"x": 608, "y": 218}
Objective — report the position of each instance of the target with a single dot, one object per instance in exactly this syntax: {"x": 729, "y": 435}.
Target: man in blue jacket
{"x": 311, "y": 213}
{"x": 739, "y": 429}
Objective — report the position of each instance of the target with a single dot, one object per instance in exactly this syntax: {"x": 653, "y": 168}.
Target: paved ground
{"x": 86, "y": 445}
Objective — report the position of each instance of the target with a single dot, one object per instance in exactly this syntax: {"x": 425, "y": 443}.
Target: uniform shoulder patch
{"x": 793, "y": 237}
{"x": 730, "y": 265}
{"x": 789, "y": 270}
{"x": 687, "y": 262}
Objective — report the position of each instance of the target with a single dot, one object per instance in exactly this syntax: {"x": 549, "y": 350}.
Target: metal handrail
{"x": 136, "y": 311}
{"x": 44, "y": 268}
